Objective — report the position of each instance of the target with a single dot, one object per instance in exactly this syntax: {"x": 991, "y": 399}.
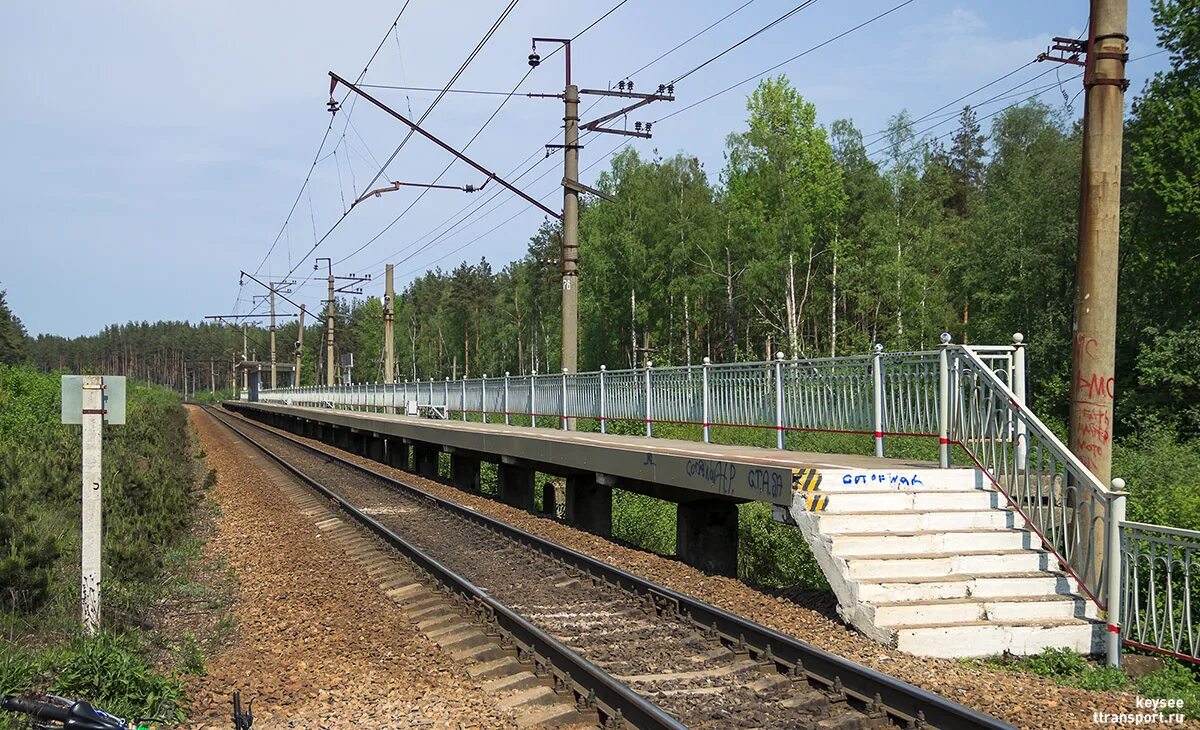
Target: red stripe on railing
{"x": 1046, "y": 543}
{"x": 1160, "y": 650}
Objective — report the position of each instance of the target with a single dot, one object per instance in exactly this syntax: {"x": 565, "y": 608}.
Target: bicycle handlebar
{"x": 36, "y": 709}
{"x": 78, "y": 716}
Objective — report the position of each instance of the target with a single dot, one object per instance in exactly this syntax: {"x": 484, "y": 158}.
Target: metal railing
{"x": 1161, "y": 589}
{"x": 883, "y": 394}
{"x": 1077, "y": 518}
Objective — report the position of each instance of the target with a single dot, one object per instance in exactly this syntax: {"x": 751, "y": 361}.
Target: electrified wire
{"x": 805, "y": 52}
{"x": 461, "y": 69}
{"x": 755, "y": 34}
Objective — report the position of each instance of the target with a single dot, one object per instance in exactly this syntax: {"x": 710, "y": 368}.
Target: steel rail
{"x": 613, "y": 697}
{"x": 905, "y": 704}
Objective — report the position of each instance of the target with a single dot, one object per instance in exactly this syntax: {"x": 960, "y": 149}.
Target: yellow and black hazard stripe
{"x": 808, "y": 482}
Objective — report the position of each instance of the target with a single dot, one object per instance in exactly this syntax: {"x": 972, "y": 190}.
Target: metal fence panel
{"x": 1161, "y": 588}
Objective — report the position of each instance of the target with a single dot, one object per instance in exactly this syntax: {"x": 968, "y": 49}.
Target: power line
{"x": 805, "y": 52}
{"x": 475, "y": 52}
{"x": 507, "y": 97}
{"x": 462, "y": 68}
{"x": 324, "y": 139}
{"x": 712, "y": 25}
{"x": 755, "y": 34}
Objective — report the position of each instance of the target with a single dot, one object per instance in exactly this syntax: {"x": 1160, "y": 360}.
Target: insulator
{"x": 534, "y": 59}
{"x": 629, "y": 85}
{"x": 661, "y": 88}
{"x": 671, "y": 89}
{"x": 621, "y": 85}
{"x": 332, "y": 106}
{"x": 637, "y": 126}
{"x": 648, "y": 127}
{"x": 469, "y": 188}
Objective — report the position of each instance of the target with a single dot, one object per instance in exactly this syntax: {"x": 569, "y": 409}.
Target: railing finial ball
{"x": 946, "y": 338}
{"x": 707, "y": 360}
{"x": 506, "y": 373}
{"x": 1118, "y": 484}
{"x": 604, "y": 367}
{"x": 779, "y": 356}
{"x": 1018, "y": 338}
{"x": 878, "y": 347}
{"x": 565, "y": 371}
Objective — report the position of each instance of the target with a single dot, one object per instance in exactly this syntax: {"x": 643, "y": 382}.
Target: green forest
{"x": 812, "y": 240}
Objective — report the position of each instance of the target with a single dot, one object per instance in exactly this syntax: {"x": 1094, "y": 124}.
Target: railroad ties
{"x": 652, "y": 651}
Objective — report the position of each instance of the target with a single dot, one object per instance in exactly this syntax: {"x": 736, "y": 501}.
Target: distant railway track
{"x": 636, "y": 650}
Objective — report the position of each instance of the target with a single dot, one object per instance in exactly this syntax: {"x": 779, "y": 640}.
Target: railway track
{"x": 637, "y": 652}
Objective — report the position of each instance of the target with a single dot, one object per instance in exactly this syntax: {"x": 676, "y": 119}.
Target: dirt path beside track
{"x": 317, "y": 642}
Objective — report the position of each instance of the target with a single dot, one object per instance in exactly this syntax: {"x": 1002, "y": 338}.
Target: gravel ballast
{"x": 317, "y": 643}
{"x": 1020, "y": 698}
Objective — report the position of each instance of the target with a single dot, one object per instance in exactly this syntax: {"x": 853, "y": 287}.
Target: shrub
{"x": 110, "y": 671}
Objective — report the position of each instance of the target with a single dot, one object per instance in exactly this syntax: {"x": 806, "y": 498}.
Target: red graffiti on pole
{"x": 1093, "y": 398}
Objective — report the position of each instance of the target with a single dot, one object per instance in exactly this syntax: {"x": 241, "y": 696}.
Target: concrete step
{"x": 884, "y": 480}
{"x": 987, "y": 638}
{"x": 909, "y": 520}
{"x": 897, "y": 567}
{"x": 960, "y": 610}
{"x": 996, "y": 585}
{"x": 908, "y": 500}
{"x": 856, "y": 544}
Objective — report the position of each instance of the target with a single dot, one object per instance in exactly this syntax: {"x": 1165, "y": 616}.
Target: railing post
{"x": 505, "y": 397}
{"x": 603, "y": 409}
{"x": 704, "y": 396}
{"x": 464, "y": 397}
{"x": 532, "y": 405}
{"x": 564, "y": 399}
{"x": 446, "y": 398}
{"x": 1018, "y": 388}
{"x": 877, "y": 398}
{"x": 779, "y": 400}
{"x": 1112, "y": 564}
{"x": 483, "y": 397}
{"x": 944, "y": 402}
{"x": 649, "y": 411}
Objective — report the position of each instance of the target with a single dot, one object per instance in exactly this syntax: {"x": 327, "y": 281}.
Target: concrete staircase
{"x": 935, "y": 564}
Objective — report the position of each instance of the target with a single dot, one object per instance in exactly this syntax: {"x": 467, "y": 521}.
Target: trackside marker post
{"x": 92, "y": 401}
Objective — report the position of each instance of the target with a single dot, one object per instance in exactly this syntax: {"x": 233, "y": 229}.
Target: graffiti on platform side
{"x": 891, "y": 479}
{"x": 720, "y": 474}
{"x": 767, "y": 482}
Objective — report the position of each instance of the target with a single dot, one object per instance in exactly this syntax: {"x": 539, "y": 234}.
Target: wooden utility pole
{"x": 389, "y": 322}
{"x": 1095, "y": 326}
{"x": 299, "y": 348}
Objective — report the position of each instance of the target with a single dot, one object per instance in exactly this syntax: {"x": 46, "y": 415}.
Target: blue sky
{"x": 154, "y": 149}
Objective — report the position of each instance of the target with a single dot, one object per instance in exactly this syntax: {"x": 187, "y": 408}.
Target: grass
{"x": 1174, "y": 681}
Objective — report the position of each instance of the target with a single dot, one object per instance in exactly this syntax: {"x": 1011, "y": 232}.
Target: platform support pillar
{"x": 550, "y": 499}
{"x": 514, "y": 485}
{"x": 425, "y": 460}
{"x": 397, "y": 454}
{"x": 589, "y": 504}
{"x": 706, "y": 535}
{"x": 376, "y": 451}
{"x": 464, "y": 471}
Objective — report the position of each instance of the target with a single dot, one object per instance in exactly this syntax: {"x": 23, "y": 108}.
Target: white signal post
{"x": 93, "y": 425}
{"x": 92, "y": 401}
